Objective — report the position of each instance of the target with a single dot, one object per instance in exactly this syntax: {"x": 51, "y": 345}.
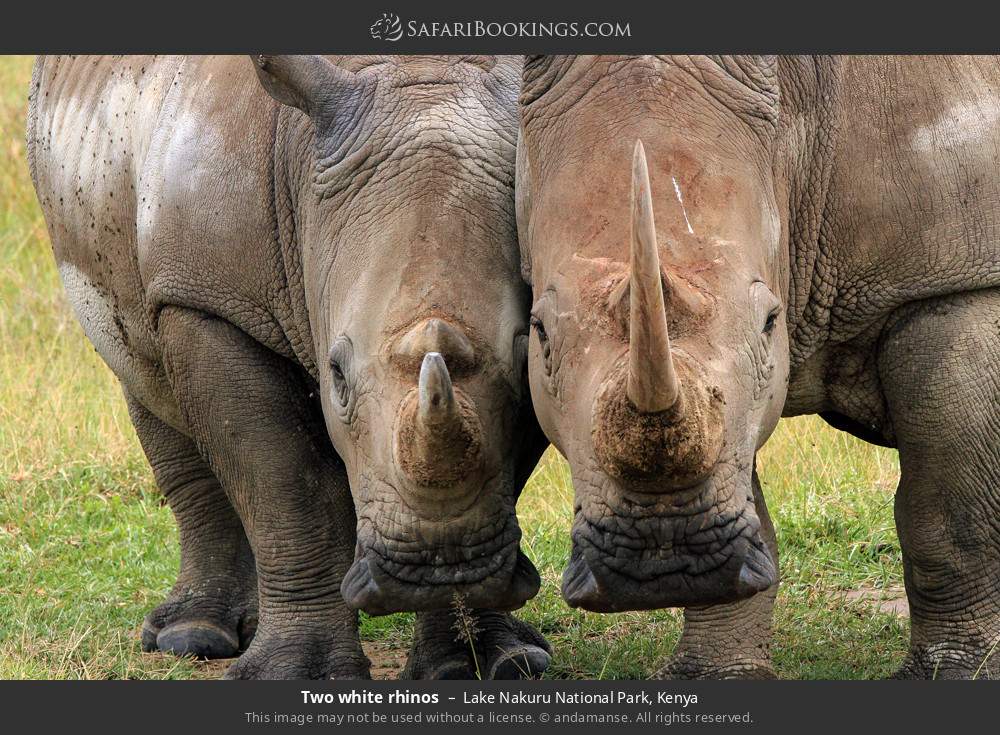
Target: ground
{"x": 86, "y": 547}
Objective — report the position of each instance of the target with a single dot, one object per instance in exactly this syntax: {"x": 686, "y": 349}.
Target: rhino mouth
{"x": 627, "y": 556}
{"x": 368, "y": 587}
{"x": 482, "y": 569}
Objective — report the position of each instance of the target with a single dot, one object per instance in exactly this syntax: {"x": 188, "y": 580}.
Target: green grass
{"x": 86, "y": 548}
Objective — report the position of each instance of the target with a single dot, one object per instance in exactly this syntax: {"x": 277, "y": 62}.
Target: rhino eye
{"x": 769, "y": 324}
{"x": 339, "y": 383}
{"x": 772, "y": 318}
{"x": 763, "y": 302}
{"x": 340, "y": 355}
{"x": 543, "y": 343}
{"x": 539, "y": 328}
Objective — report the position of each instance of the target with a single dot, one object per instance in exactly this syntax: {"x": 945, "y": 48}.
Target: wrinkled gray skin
{"x": 304, "y": 273}
{"x": 792, "y": 236}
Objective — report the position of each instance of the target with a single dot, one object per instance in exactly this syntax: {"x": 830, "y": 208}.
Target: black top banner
{"x": 449, "y": 27}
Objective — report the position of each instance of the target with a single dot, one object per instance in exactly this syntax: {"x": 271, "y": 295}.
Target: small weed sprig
{"x": 466, "y": 628}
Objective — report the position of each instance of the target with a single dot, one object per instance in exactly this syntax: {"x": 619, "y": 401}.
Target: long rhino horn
{"x": 435, "y": 397}
{"x": 652, "y": 381}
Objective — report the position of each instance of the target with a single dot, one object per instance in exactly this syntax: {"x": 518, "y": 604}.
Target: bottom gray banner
{"x": 585, "y": 706}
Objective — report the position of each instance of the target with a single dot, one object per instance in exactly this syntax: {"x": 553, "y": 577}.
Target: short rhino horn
{"x": 652, "y": 380}
{"x": 437, "y": 444}
{"x": 435, "y": 397}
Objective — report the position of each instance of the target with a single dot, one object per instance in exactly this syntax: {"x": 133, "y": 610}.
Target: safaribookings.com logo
{"x": 387, "y": 28}
{"x": 390, "y": 28}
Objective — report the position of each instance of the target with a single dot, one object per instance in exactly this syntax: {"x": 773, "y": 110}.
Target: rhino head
{"x": 399, "y": 183}
{"x": 651, "y": 234}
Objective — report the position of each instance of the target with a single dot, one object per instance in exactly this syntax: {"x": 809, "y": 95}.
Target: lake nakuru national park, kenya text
{"x": 405, "y": 696}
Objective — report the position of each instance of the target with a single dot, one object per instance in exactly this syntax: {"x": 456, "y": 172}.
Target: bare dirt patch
{"x": 889, "y": 600}
{"x": 387, "y": 660}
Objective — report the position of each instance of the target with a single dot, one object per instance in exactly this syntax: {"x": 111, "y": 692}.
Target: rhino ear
{"x": 538, "y": 74}
{"x": 305, "y": 82}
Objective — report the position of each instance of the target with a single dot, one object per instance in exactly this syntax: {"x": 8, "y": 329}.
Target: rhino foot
{"x": 949, "y": 662}
{"x": 208, "y": 623}
{"x": 287, "y": 656}
{"x": 687, "y": 668}
{"x": 519, "y": 652}
{"x": 476, "y": 645}
{"x": 199, "y": 638}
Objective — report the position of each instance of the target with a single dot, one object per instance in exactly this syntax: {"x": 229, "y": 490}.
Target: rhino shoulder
{"x": 205, "y": 207}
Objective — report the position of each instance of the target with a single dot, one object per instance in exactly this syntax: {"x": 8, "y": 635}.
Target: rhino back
{"x": 154, "y": 175}
{"x": 916, "y": 187}
{"x": 903, "y": 200}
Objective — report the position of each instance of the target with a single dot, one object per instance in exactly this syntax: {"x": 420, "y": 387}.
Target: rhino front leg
{"x": 264, "y": 437}
{"x": 211, "y": 612}
{"x": 731, "y": 641}
{"x": 478, "y": 644}
{"x": 940, "y": 370}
